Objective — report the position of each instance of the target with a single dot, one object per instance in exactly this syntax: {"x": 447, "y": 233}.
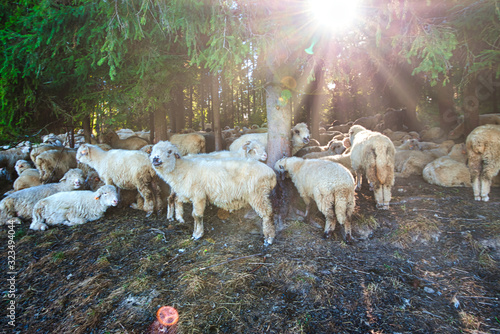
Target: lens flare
{"x": 334, "y": 14}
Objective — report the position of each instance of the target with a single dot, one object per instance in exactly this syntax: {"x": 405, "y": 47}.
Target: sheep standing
{"x": 300, "y": 137}
{"x": 372, "y": 154}
{"x": 329, "y": 184}
{"x": 129, "y": 143}
{"x": 483, "y": 151}
{"x": 125, "y": 169}
{"x": 20, "y": 204}
{"x": 73, "y": 208}
{"x": 227, "y": 183}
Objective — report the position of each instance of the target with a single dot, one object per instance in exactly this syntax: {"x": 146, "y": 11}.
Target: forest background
{"x": 152, "y": 64}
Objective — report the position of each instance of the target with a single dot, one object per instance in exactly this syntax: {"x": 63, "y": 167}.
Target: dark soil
{"x": 427, "y": 265}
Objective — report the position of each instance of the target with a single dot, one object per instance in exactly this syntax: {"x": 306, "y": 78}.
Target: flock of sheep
{"x": 124, "y": 169}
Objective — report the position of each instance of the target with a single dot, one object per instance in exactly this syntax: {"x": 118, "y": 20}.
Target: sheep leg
{"x": 476, "y": 188}
{"x": 359, "y": 179}
{"x": 378, "y": 193}
{"x": 485, "y": 188}
{"x": 72, "y": 221}
{"x": 147, "y": 194}
{"x": 386, "y": 191}
{"x": 179, "y": 210}
{"x": 198, "y": 209}
{"x": 330, "y": 222}
{"x": 170, "y": 207}
{"x": 262, "y": 205}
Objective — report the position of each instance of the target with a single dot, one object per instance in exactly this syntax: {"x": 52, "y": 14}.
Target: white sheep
{"x": 73, "y": 208}
{"x": 372, "y": 154}
{"x": 329, "y": 184}
{"x": 125, "y": 169}
{"x": 20, "y": 204}
{"x": 449, "y": 170}
{"x": 53, "y": 164}
{"x": 334, "y": 147}
{"x": 189, "y": 143}
{"x": 483, "y": 151}
{"x": 37, "y": 150}
{"x": 9, "y": 157}
{"x": 252, "y": 149}
{"x": 227, "y": 183}
{"x": 300, "y": 137}
{"x": 28, "y": 176}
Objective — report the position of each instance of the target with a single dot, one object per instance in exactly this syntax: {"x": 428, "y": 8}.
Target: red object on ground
{"x": 167, "y": 315}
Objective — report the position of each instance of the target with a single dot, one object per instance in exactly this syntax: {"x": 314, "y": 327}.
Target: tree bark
{"x": 160, "y": 124}
{"x": 471, "y": 107}
{"x": 216, "y": 113}
{"x": 447, "y": 115}
{"x": 87, "y": 132}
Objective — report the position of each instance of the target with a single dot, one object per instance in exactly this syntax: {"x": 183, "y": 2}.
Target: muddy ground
{"x": 430, "y": 264}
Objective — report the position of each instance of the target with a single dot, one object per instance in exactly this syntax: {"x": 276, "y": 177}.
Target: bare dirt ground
{"x": 427, "y": 265}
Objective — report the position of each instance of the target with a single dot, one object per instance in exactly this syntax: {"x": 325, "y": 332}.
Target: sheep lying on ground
{"x": 28, "y": 176}
{"x": 227, "y": 183}
{"x": 9, "y": 157}
{"x": 372, "y": 154}
{"x": 334, "y": 147}
{"x": 329, "y": 184}
{"x": 252, "y": 149}
{"x": 412, "y": 162}
{"x": 483, "y": 151}
{"x": 20, "y": 204}
{"x": 53, "y": 164}
{"x": 300, "y": 137}
{"x": 130, "y": 143}
{"x": 125, "y": 169}
{"x": 73, "y": 208}
{"x": 483, "y": 120}
{"x": 449, "y": 170}
{"x": 189, "y": 143}
{"x": 37, "y": 150}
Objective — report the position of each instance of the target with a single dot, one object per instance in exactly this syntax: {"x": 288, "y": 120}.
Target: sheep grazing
{"x": 300, "y": 137}
{"x": 372, "y": 154}
{"x": 28, "y": 176}
{"x": 483, "y": 152}
{"x": 125, "y": 169}
{"x": 20, "y": 204}
{"x": 227, "y": 183}
{"x": 329, "y": 184}
{"x": 189, "y": 143}
{"x": 53, "y": 164}
{"x": 449, "y": 170}
{"x": 129, "y": 143}
{"x": 73, "y": 208}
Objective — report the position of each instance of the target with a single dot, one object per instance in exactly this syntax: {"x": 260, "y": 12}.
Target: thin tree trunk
{"x": 471, "y": 107}
{"x": 160, "y": 124}
{"x": 216, "y": 113}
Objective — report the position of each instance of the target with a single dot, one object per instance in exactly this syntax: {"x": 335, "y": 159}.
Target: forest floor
{"x": 429, "y": 264}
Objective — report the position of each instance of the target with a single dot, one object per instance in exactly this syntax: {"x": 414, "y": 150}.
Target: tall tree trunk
{"x": 216, "y": 113}
{"x": 178, "y": 107}
{"x": 471, "y": 107}
{"x": 87, "y": 132}
{"x": 447, "y": 115}
{"x": 190, "y": 108}
{"x": 152, "y": 127}
{"x": 160, "y": 123}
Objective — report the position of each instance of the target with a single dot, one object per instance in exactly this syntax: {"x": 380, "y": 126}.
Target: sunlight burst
{"x": 335, "y": 14}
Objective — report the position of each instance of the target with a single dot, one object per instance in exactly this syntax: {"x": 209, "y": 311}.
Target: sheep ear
{"x": 245, "y": 146}
{"x": 177, "y": 155}
{"x": 97, "y": 197}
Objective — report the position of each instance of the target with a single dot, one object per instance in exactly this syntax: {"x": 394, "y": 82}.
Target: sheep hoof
{"x": 477, "y": 198}
{"x": 148, "y": 214}
{"x": 13, "y": 221}
{"x": 328, "y": 235}
{"x": 486, "y": 198}
{"x": 349, "y": 239}
{"x": 383, "y": 206}
{"x": 268, "y": 242}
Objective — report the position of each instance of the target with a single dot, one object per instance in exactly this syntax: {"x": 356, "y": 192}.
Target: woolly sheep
{"x": 334, "y": 147}
{"x": 449, "y": 170}
{"x": 37, "y": 150}
{"x": 483, "y": 120}
{"x": 252, "y": 149}
{"x": 125, "y": 169}
{"x": 28, "y": 176}
{"x": 130, "y": 143}
{"x": 9, "y": 157}
{"x": 483, "y": 152}
{"x": 227, "y": 183}
{"x": 329, "y": 184}
{"x": 189, "y": 143}
{"x": 300, "y": 137}
{"x": 344, "y": 159}
{"x": 53, "y": 164}
{"x": 20, "y": 204}
{"x": 73, "y": 208}
{"x": 372, "y": 154}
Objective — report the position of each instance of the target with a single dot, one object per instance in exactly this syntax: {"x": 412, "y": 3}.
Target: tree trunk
{"x": 447, "y": 115}
{"x": 160, "y": 124}
{"x": 471, "y": 107}
{"x": 178, "y": 107}
{"x": 87, "y": 132}
{"x": 216, "y": 113}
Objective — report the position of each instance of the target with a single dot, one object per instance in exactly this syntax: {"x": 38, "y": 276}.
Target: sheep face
{"x": 300, "y": 134}
{"x": 163, "y": 156}
{"x": 255, "y": 150}
{"x": 74, "y": 177}
{"x": 283, "y": 166}
{"x": 354, "y": 130}
{"x": 83, "y": 154}
{"x": 21, "y": 165}
{"x": 107, "y": 195}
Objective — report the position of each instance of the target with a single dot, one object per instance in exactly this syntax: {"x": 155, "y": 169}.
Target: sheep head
{"x": 255, "y": 150}
{"x": 283, "y": 166}
{"x": 163, "y": 156}
{"x": 74, "y": 177}
{"x": 107, "y": 195}
{"x": 355, "y": 129}
{"x": 300, "y": 135}
{"x": 83, "y": 154}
